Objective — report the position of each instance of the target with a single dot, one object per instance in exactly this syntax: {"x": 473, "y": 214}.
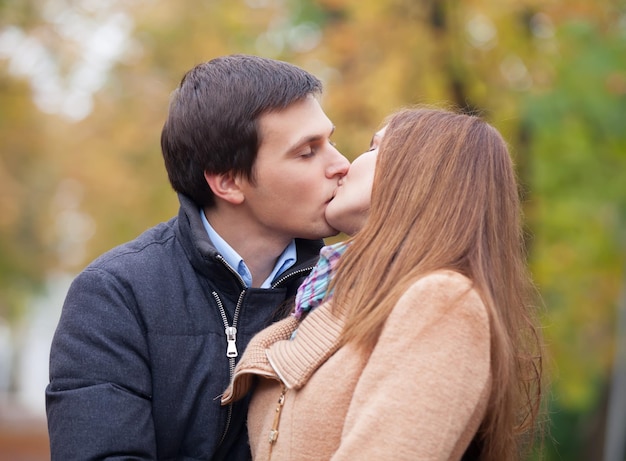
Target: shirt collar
{"x": 284, "y": 261}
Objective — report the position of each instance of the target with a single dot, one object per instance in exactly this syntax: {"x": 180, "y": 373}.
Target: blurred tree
{"x": 22, "y": 177}
{"x": 53, "y": 57}
{"x": 578, "y": 213}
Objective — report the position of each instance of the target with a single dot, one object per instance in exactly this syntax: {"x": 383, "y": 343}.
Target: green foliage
{"x": 578, "y": 158}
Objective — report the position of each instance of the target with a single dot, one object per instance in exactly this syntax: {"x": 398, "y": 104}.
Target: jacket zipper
{"x": 231, "y": 347}
{"x": 291, "y": 274}
{"x": 231, "y": 330}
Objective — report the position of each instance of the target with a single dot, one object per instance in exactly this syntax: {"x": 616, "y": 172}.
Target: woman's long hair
{"x": 445, "y": 196}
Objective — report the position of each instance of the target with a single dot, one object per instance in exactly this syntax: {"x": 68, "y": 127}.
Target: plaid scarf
{"x": 313, "y": 290}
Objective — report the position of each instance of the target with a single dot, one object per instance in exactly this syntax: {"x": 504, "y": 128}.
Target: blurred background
{"x": 84, "y": 88}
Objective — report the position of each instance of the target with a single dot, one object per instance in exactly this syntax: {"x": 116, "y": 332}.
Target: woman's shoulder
{"x": 443, "y": 282}
{"x": 443, "y": 291}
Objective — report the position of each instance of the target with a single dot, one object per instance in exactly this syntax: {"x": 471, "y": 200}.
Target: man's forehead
{"x": 293, "y": 127}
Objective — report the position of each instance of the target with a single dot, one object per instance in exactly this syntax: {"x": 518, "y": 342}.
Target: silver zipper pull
{"x": 231, "y": 339}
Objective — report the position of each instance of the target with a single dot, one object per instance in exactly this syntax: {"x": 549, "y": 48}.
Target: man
{"x": 150, "y": 331}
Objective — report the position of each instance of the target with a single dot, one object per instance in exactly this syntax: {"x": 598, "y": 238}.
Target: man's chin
{"x": 331, "y": 230}
{"x": 333, "y": 233}
{"x": 328, "y": 232}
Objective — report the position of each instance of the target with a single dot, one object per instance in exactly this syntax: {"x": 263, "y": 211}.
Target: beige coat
{"x": 420, "y": 394}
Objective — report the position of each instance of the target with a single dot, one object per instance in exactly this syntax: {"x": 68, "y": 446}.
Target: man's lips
{"x": 339, "y": 184}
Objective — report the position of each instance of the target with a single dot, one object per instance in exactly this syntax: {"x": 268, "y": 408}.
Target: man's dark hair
{"x": 212, "y": 123}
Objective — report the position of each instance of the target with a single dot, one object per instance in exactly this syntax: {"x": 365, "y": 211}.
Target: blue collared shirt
{"x": 284, "y": 262}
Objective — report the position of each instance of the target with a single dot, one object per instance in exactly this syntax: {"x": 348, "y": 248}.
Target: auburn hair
{"x": 445, "y": 196}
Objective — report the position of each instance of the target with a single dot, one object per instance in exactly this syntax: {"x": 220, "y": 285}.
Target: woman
{"x": 428, "y": 348}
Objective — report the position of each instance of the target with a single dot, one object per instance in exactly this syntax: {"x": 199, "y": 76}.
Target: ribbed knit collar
{"x": 272, "y": 354}
{"x": 318, "y": 338}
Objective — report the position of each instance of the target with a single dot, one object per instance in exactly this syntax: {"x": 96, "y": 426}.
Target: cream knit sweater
{"x": 420, "y": 394}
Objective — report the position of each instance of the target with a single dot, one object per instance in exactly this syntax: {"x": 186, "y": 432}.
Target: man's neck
{"x": 259, "y": 251}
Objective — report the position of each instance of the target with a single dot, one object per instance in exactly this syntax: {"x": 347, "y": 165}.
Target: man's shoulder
{"x": 151, "y": 244}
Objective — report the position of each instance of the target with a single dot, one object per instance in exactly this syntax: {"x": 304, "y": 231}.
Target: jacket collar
{"x": 203, "y": 255}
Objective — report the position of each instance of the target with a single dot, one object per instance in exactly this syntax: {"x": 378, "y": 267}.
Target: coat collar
{"x": 203, "y": 255}
{"x": 317, "y": 338}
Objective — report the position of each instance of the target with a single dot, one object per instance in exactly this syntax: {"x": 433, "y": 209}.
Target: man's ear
{"x": 225, "y": 186}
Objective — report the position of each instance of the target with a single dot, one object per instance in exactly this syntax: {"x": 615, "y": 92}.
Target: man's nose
{"x": 338, "y": 165}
